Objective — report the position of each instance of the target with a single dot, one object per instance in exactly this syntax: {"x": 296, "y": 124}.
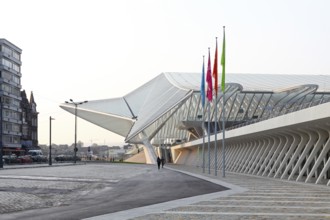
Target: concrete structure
{"x": 275, "y": 125}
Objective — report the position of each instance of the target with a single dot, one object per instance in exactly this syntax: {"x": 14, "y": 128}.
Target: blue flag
{"x": 203, "y": 85}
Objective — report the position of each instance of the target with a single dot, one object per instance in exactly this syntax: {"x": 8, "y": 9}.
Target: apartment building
{"x": 17, "y": 119}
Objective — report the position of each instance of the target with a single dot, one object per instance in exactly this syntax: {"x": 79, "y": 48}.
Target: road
{"x": 82, "y": 191}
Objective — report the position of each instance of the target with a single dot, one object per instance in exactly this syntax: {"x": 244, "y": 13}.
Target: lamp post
{"x": 50, "y": 140}
{"x": 75, "y": 125}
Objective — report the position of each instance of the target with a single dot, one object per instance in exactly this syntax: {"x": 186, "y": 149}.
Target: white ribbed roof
{"x": 253, "y": 82}
{"x": 150, "y": 101}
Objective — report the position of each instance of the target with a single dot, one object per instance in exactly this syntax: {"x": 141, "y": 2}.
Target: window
{"x": 6, "y": 63}
{"x": 9, "y": 52}
{"x": 16, "y": 67}
{"x": 11, "y": 89}
{"x": 10, "y": 101}
{"x": 10, "y": 139}
{"x": 16, "y": 55}
{"x": 11, "y": 114}
{"x": 11, "y": 127}
{"x": 16, "y": 79}
{"x": 6, "y": 75}
{"x": 6, "y": 50}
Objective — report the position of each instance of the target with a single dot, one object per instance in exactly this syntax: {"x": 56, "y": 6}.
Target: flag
{"x": 223, "y": 62}
{"x": 215, "y": 67}
{"x": 209, "y": 79}
{"x": 203, "y": 85}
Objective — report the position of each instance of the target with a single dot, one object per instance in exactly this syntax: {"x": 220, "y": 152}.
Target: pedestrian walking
{"x": 163, "y": 161}
{"x": 158, "y": 162}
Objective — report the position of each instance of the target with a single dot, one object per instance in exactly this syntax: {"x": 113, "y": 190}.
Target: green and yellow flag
{"x": 223, "y": 62}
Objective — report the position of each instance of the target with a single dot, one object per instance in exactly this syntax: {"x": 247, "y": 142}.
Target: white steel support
{"x": 243, "y": 156}
{"x": 269, "y": 154}
{"x": 231, "y": 148}
{"x": 273, "y": 154}
{"x": 256, "y": 150}
{"x": 264, "y": 154}
{"x": 321, "y": 156}
{"x": 317, "y": 147}
{"x": 293, "y": 145}
{"x": 235, "y": 156}
{"x": 323, "y": 172}
{"x": 247, "y": 156}
{"x": 240, "y": 157}
{"x": 263, "y": 145}
{"x": 302, "y": 144}
{"x": 283, "y": 142}
{"x": 312, "y": 137}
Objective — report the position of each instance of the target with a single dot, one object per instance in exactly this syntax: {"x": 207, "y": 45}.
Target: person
{"x": 163, "y": 161}
{"x": 158, "y": 162}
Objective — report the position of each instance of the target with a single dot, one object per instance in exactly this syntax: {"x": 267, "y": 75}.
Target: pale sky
{"x": 99, "y": 49}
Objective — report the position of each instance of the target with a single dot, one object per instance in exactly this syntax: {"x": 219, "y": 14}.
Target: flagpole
{"x": 198, "y": 156}
{"x": 223, "y": 62}
{"x": 208, "y": 131}
{"x": 209, "y": 98}
{"x": 203, "y": 114}
{"x": 215, "y": 74}
{"x": 215, "y": 141}
{"x": 203, "y": 141}
{"x": 223, "y": 136}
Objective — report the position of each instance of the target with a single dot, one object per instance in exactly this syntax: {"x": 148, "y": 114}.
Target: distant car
{"x": 25, "y": 159}
{"x": 12, "y": 158}
{"x": 62, "y": 158}
{"x": 37, "y": 156}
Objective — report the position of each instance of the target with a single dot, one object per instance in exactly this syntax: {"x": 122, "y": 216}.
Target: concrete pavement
{"x": 82, "y": 191}
{"x": 249, "y": 197}
{"x": 263, "y": 198}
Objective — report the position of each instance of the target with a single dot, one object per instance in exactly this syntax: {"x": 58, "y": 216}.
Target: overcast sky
{"x": 99, "y": 49}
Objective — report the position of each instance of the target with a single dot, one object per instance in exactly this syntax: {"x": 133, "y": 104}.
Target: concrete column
{"x": 149, "y": 150}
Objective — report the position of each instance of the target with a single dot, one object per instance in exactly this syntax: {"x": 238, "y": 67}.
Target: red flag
{"x": 215, "y": 67}
{"x": 209, "y": 79}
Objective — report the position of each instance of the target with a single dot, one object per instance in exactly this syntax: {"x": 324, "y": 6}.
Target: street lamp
{"x": 50, "y": 140}
{"x": 75, "y": 125}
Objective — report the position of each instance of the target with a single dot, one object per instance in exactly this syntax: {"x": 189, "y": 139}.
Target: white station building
{"x": 276, "y": 126}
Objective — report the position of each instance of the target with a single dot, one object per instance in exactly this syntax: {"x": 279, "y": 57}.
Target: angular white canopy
{"x": 131, "y": 114}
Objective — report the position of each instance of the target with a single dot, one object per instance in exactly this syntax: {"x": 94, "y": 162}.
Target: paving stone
{"x": 266, "y": 198}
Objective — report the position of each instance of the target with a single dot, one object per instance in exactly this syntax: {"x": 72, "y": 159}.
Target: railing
{"x": 282, "y": 110}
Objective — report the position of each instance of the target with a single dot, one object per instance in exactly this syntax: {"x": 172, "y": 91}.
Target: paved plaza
{"x": 37, "y": 193}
